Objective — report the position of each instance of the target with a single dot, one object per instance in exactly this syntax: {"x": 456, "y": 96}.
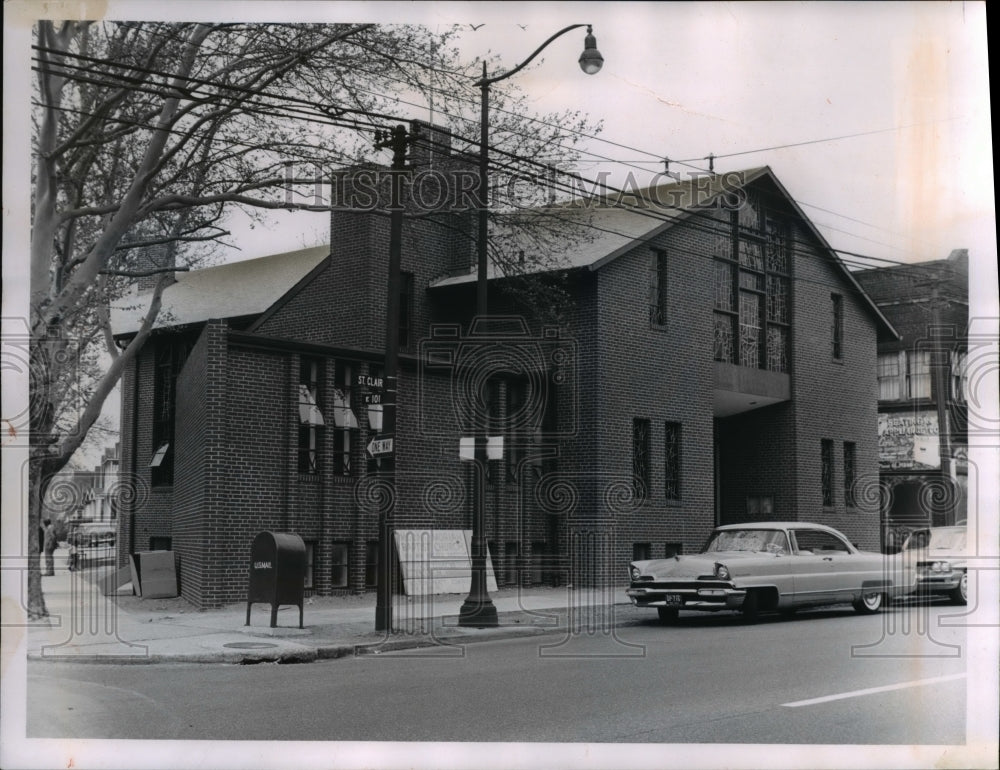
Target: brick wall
{"x": 238, "y": 426}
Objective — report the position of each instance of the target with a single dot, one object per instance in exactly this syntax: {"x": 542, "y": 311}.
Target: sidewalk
{"x": 84, "y": 626}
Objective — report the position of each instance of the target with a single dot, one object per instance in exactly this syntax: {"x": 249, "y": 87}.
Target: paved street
{"x": 709, "y": 679}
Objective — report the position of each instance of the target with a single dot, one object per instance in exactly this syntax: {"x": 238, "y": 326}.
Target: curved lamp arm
{"x": 590, "y": 43}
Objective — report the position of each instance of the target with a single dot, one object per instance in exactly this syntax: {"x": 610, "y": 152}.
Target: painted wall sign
{"x": 908, "y": 440}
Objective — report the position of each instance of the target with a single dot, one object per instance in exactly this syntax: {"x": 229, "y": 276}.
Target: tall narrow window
{"x": 340, "y": 564}
{"x": 672, "y": 460}
{"x": 826, "y": 459}
{"x": 311, "y": 422}
{"x": 889, "y": 381}
{"x": 405, "y": 310}
{"x": 849, "y": 473}
{"x": 838, "y": 325}
{"x": 170, "y": 357}
{"x": 640, "y": 457}
{"x": 958, "y": 380}
{"x": 752, "y": 311}
{"x": 344, "y": 420}
{"x": 658, "y": 288}
{"x": 918, "y": 374}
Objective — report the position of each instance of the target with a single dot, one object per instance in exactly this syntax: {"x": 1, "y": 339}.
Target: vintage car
{"x": 769, "y": 566}
{"x": 939, "y": 554}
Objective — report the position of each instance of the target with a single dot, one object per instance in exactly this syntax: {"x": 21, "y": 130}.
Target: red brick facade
{"x": 562, "y": 507}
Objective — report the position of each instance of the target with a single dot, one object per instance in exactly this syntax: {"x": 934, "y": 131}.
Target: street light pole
{"x": 396, "y": 140}
{"x": 477, "y": 609}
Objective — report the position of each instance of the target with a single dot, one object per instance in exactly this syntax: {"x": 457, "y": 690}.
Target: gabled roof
{"x": 617, "y": 222}
{"x": 226, "y": 291}
{"x": 616, "y": 226}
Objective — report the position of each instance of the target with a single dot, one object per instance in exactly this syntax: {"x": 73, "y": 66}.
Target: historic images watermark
{"x": 457, "y": 189}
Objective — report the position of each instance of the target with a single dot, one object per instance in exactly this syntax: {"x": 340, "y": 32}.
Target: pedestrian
{"x": 74, "y": 556}
{"x": 50, "y": 548}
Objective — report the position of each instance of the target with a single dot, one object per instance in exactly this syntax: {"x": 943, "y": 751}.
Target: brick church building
{"x": 715, "y": 363}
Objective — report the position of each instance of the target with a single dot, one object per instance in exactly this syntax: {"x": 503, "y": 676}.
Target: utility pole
{"x": 396, "y": 140}
{"x": 941, "y": 360}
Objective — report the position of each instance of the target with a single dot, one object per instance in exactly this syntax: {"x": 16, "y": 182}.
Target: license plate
{"x": 672, "y": 599}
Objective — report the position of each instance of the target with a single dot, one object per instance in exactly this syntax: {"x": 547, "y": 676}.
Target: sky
{"x": 874, "y": 116}
{"x": 749, "y": 79}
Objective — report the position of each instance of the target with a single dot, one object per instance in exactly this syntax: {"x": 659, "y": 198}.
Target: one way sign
{"x": 380, "y": 446}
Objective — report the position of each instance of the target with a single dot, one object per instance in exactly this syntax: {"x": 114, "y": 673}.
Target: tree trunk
{"x": 36, "y": 598}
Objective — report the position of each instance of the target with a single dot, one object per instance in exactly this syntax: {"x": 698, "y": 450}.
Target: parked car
{"x": 769, "y": 566}
{"x": 940, "y": 556}
{"x": 92, "y": 534}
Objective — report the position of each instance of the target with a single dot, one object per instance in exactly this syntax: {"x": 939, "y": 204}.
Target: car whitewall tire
{"x": 869, "y": 603}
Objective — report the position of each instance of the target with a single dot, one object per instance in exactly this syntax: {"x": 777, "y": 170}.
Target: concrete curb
{"x": 449, "y": 637}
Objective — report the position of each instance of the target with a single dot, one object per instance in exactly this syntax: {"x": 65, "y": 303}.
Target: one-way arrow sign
{"x": 379, "y": 446}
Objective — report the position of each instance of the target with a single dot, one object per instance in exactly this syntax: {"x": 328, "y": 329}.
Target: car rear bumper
{"x": 685, "y": 598}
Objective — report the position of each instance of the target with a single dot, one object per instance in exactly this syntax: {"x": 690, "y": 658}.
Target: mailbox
{"x": 277, "y": 572}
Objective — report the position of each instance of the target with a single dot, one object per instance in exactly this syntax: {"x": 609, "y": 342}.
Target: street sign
{"x": 380, "y": 446}
{"x": 372, "y": 399}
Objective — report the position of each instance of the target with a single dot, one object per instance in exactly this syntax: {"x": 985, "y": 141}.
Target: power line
{"x": 294, "y": 113}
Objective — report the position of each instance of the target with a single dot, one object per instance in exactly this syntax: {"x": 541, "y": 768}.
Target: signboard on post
{"x": 380, "y": 446}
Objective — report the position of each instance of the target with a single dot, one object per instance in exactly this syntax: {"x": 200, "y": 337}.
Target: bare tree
{"x": 146, "y": 134}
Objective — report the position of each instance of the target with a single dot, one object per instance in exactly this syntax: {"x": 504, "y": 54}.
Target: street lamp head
{"x": 591, "y": 60}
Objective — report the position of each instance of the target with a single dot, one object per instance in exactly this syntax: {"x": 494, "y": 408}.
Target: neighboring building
{"x": 923, "y": 442}
{"x": 714, "y": 365}
{"x": 100, "y": 501}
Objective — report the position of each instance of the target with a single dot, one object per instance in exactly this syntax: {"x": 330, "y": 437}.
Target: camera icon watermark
{"x": 41, "y": 376}
{"x": 498, "y": 380}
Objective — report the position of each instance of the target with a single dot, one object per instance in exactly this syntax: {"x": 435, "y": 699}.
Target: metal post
{"x": 397, "y": 141}
{"x": 940, "y": 360}
{"x": 478, "y": 609}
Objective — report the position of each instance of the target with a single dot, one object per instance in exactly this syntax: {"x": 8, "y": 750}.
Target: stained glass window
{"x": 724, "y": 295}
{"x": 777, "y": 349}
{"x": 751, "y": 254}
{"x": 849, "y": 473}
{"x": 777, "y": 246}
{"x": 723, "y": 243}
{"x": 838, "y": 325}
{"x": 749, "y": 329}
{"x": 658, "y": 289}
{"x": 752, "y": 281}
{"x": 724, "y": 343}
{"x": 640, "y": 457}
{"x": 762, "y": 286}
{"x": 777, "y": 299}
{"x": 749, "y": 212}
{"x": 672, "y": 460}
{"x": 826, "y": 448}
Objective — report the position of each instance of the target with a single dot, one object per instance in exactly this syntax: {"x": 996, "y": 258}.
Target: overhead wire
{"x": 355, "y": 124}
{"x": 572, "y": 149}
